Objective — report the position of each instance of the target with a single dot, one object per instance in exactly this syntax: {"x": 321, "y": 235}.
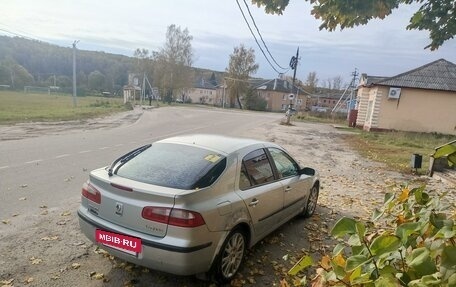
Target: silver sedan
{"x": 193, "y": 204}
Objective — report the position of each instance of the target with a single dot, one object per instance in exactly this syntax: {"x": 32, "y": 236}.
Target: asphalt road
{"x": 46, "y": 166}
{"x": 49, "y": 169}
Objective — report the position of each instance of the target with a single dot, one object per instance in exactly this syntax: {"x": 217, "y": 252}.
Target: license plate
{"x": 128, "y": 244}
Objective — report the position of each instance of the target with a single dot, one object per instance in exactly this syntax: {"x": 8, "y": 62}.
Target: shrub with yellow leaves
{"x": 411, "y": 241}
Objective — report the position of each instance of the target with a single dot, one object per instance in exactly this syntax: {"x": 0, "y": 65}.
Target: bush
{"x": 254, "y": 102}
{"x": 128, "y": 106}
{"x": 411, "y": 241}
{"x": 100, "y": 104}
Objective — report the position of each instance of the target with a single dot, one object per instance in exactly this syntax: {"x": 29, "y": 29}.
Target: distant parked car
{"x": 179, "y": 101}
{"x": 193, "y": 204}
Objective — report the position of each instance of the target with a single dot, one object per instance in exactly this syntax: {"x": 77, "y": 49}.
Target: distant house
{"x": 132, "y": 91}
{"x": 420, "y": 100}
{"x": 276, "y": 93}
{"x": 325, "y": 100}
{"x": 202, "y": 92}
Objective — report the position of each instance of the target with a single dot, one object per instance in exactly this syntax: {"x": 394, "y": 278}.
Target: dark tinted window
{"x": 176, "y": 166}
{"x": 284, "y": 164}
{"x": 256, "y": 169}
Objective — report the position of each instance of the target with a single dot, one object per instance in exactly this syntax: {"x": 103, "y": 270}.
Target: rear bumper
{"x": 157, "y": 253}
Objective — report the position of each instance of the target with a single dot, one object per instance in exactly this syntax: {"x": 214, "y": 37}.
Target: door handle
{"x": 254, "y": 202}
{"x": 287, "y": 189}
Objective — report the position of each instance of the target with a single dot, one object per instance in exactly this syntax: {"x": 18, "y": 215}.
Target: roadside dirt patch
{"x": 27, "y": 130}
{"x": 51, "y": 251}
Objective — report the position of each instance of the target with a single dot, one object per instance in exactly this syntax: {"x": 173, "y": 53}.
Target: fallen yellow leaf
{"x": 7, "y": 282}
{"x": 284, "y": 283}
{"x": 55, "y": 277}
{"x": 339, "y": 260}
{"x": 65, "y": 213}
{"x": 404, "y": 194}
{"x": 325, "y": 262}
{"x": 36, "y": 261}
{"x": 51, "y": 238}
{"x": 97, "y": 276}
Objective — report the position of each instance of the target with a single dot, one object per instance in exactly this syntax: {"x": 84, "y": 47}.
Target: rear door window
{"x": 255, "y": 170}
{"x": 175, "y": 166}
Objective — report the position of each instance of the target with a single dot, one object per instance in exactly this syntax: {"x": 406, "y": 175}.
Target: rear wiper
{"x": 126, "y": 157}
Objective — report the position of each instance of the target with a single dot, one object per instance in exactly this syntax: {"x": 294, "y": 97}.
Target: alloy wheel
{"x": 312, "y": 202}
{"x": 232, "y": 255}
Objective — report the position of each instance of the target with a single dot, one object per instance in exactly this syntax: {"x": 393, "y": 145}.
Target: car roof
{"x": 218, "y": 143}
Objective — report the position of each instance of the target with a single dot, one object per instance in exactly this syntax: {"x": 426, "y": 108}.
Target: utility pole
{"x": 352, "y": 89}
{"x": 224, "y": 93}
{"x": 294, "y": 65}
{"x": 74, "y": 74}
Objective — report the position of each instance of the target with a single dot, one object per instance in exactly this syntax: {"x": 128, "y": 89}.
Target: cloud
{"x": 383, "y": 47}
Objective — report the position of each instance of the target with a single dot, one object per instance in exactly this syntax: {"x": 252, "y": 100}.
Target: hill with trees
{"x": 25, "y": 62}
{"x": 28, "y": 62}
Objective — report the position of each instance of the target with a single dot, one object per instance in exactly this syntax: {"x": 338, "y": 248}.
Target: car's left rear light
{"x": 91, "y": 193}
{"x": 173, "y": 216}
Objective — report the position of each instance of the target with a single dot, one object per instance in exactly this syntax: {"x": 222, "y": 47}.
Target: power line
{"x": 14, "y": 33}
{"x": 261, "y": 37}
{"x": 18, "y": 34}
{"x": 256, "y": 40}
{"x": 23, "y": 33}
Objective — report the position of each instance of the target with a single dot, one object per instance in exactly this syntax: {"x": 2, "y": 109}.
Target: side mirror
{"x": 307, "y": 171}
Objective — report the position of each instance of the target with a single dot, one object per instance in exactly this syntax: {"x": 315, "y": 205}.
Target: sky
{"x": 380, "y": 48}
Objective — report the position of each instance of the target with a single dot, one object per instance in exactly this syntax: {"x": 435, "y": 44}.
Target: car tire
{"x": 311, "y": 203}
{"x": 230, "y": 257}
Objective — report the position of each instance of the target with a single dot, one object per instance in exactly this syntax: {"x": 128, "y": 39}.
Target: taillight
{"x": 172, "y": 216}
{"x": 91, "y": 193}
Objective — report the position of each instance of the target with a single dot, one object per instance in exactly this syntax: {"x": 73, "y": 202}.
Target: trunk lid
{"x": 122, "y": 202}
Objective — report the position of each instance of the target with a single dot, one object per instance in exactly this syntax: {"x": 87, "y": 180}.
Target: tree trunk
{"x": 231, "y": 101}
{"x": 239, "y": 101}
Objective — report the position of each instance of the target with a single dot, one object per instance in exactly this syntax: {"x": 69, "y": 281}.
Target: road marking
{"x": 62, "y": 155}
{"x": 105, "y": 147}
{"x": 85, "y": 151}
{"x": 3, "y": 167}
{"x": 34, "y": 161}
{"x": 119, "y": 145}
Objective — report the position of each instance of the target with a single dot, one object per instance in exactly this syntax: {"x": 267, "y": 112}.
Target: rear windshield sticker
{"x": 212, "y": 158}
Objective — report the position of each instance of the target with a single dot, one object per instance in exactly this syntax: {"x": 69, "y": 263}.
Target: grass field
{"x": 18, "y": 107}
{"x": 395, "y": 149}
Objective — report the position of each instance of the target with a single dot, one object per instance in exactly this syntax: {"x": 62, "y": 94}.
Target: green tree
{"x": 241, "y": 66}
{"x": 13, "y": 74}
{"x": 311, "y": 82}
{"x": 255, "y": 102}
{"x": 436, "y": 16}
{"x": 96, "y": 81}
{"x": 172, "y": 64}
{"x": 213, "y": 79}
{"x": 5, "y": 75}
{"x": 63, "y": 81}
{"x": 143, "y": 62}
{"x": 59, "y": 81}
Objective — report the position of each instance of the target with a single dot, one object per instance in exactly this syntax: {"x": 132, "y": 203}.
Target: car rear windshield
{"x": 175, "y": 166}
